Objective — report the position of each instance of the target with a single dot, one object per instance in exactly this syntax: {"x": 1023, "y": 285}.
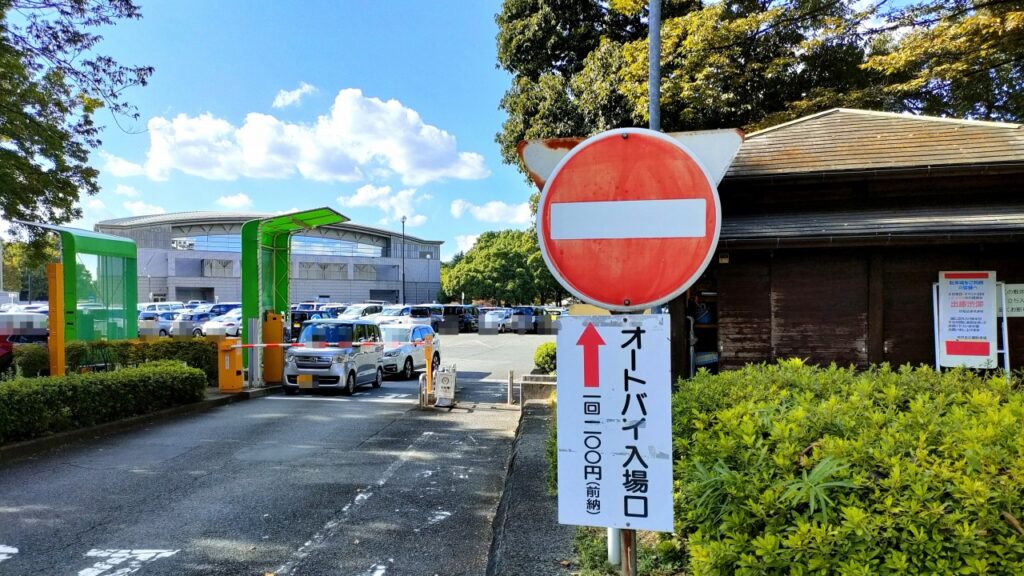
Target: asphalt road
{"x": 311, "y": 484}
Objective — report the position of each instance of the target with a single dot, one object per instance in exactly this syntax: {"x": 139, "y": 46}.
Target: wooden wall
{"x": 846, "y": 305}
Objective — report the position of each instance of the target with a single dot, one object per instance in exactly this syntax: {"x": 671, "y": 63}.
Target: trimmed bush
{"x": 31, "y": 407}
{"x": 790, "y": 469}
{"x": 544, "y": 357}
{"x": 33, "y": 360}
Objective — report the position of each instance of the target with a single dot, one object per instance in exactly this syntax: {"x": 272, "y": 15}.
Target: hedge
{"x": 33, "y": 360}
{"x": 31, "y": 407}
{"x": 544, "y": 358}
{"x": 791, "y": 469}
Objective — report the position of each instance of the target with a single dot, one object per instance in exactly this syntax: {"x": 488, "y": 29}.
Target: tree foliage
{"x": 25, "y": 265}
{"x": 581, "y": 67}
{"x": 52, "y": 83}
{"x": 504, "y": 266}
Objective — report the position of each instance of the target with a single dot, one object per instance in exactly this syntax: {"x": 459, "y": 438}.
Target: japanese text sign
{"x": 1014, "y": 301}
{"x": 967, "y": 319}
{"x": 614, "y": 422}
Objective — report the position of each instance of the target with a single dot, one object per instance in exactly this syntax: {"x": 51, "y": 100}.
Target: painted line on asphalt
{"x": 396, "y": 399}
{"x": 331, "y": 527}
{"x": 113, "y": 559}
{"x": 7, "y": 552}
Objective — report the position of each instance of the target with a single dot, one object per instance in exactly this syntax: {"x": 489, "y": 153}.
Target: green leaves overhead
{"x": 52, "y": 82}
{"x": 581, "y": 67}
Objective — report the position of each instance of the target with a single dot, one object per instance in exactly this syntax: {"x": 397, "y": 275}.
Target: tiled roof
{"x": 842, "y": 140}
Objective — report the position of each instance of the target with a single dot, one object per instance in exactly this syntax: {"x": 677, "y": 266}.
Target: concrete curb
{"x": 29, "y": 448}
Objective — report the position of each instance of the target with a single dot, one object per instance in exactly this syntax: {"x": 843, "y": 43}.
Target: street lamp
{"x": 403, "y": 260}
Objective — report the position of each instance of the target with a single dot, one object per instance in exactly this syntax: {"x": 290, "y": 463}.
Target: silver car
{"x": 336, "y": 354}
{"x": 404, "y": 352}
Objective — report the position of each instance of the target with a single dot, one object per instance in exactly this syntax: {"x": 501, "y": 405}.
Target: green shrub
{"x": 31, "y": 407}
{"x": 31, "y": 360}
{"x": 790, "y": 469}
{"x": 544, "y": 357}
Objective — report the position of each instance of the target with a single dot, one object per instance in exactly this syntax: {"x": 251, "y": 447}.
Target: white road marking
{"x": 379, "y": 569}
{"x": 7, "y": 552}
{"x": 439, "y": 516}
{"x": 677, "y": 218}
{"x": 331, "y": 527}
{"x": 113, "y": 560}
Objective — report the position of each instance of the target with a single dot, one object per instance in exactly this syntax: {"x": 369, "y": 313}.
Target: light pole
{"x": 403, "y": 260}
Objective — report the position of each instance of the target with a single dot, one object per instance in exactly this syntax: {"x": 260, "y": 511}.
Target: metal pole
{"x": 615, "y": 536}
{"x": 511, "y": 380}
{"x": 1006, "y": 335}
{"x": 403, "y": 260}
{"x": 654, "y": 64}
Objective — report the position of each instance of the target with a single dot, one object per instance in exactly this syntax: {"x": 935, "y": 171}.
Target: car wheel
{"x": 407, "y": 370}
{"x": 350, "y": 384}
{"x": 197, "y": 332}
{"x": 437, "y": 362}
{"x": 380, "y": 378}
{"x": 163, "y": 332}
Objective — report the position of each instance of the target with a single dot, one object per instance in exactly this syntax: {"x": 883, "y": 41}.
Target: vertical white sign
{"x": 615, "y": 422}
{"x": 1014, "y": 301}
{"x": 967, "y": 319}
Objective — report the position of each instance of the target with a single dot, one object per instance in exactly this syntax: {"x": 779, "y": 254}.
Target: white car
{"x": 229, "y": 324}
{"x": 391, "y": 315}
{"x": 404, "y": 352}
{"x": 499, "y": 320}
{"x": 358, "y": 311}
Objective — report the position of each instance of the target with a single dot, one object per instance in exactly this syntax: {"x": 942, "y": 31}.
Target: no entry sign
{"x": 629, "y": 219}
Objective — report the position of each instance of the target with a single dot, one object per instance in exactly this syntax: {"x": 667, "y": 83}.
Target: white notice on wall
{"x": 614, "y": 422}
{"x": 1014, "y": 300}
{"x": 967, "y": 319}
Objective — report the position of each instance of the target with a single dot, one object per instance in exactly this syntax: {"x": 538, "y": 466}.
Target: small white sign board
{"x": 1015, "y": 301}
{"x": 614, "y": 422}
{"x": 967, "y": 320}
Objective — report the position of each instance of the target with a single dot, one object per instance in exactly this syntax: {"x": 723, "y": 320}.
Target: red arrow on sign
{"x": 590, "y": 340}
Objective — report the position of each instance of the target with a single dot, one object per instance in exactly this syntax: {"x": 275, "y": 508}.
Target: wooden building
{"x": 836, "y": 225}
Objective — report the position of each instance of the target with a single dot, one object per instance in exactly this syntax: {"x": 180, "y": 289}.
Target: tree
{"x": 501, "y": 266}
{"x": 25, "y": 266}
{"x": 51, "y": 85}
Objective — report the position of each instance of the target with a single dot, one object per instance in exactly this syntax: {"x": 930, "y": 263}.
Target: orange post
{"x": 55, "y": 280}
{"x": 273, "y": 357}
{"x": 428, "y": 351}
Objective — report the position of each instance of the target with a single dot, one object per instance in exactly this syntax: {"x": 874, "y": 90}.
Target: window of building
{"x": 213, "y": 268}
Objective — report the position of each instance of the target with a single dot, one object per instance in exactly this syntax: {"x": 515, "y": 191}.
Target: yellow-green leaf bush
{"x": 791, "y": 469}
{"x": 544, "y": 358}
{"x": 31, "y": 407}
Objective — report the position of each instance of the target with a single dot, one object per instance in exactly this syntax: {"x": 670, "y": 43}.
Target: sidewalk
{"x": 527, "y": 536}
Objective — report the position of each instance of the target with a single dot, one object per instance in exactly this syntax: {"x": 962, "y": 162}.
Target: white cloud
{"x": 95, "y": 204}
{"x": 238, "y": 201}
{"x": 286, "y": 98}
{"x": 464, "y": 242}
{"x": 494, "y": 211}
{"x": 129, "y": 191}
{"x": 120, "y": 167}
{"x": 394, "y": 205}
{"x": 140, "y": 208}
{"x": 359, "y": 136}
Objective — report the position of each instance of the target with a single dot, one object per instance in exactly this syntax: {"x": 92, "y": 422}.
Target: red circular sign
{"x": 629, "y": 219}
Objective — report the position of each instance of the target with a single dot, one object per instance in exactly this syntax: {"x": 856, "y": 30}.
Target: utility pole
{"x": 403, "y": 261}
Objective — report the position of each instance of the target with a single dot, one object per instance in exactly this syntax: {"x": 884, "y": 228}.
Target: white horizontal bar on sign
{"x": 677, "y": 218}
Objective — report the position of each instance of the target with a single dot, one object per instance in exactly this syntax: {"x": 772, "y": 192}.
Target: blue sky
{"x": 378, "y": 109}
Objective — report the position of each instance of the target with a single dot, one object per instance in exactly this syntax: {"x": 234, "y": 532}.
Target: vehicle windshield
{"x": 307, "y": 306}
{"x": 419, "y": 312}
{"x": 522, "y": 311}
{"x": 314, "y": 332}
{"x": 395, "y": 334}
{"x": 396, "y": 311}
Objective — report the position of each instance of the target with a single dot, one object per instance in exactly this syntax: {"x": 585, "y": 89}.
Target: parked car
{"x": 160, "y": 306}
{"x": 392, "y": 315}
{"x": 404, "y": 352}
{"x": 193, "y": 304}
{"x": 527, "y": 318}
{"x": 300, "y": 316}
{"x": 221, "y": 308}
{"x": 163, "y": 321}
{"x": 464, "y": 318}
{"x": 229, "y": 324}
{"x": 497, "y": 320}
{"x": 196, "y": 318}
{"x": 356, "y": 311}
{"x": 306, "y": 306}
{"x": 333, "y": 310}
{"x": 423, "y": 315}
{"x": 336, "y": 354}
